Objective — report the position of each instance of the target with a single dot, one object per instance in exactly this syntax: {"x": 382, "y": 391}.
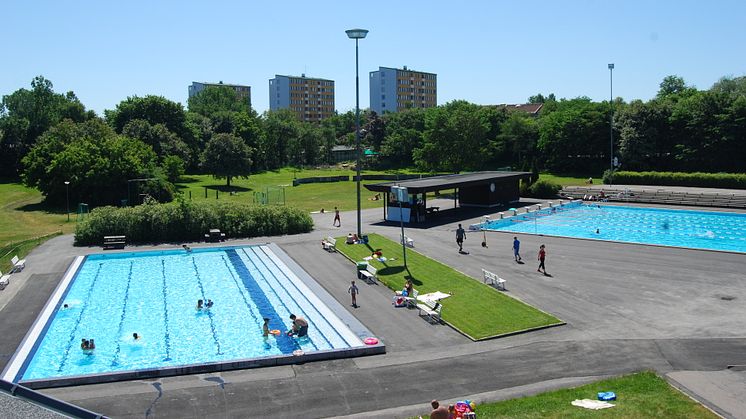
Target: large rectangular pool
{"x": 110, "y": 297}
{"x": 710, "y": 230}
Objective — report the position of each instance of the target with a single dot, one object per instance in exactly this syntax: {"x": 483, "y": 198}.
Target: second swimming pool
{"x": 154, "y": 294}
{"x": 667, "y": 227}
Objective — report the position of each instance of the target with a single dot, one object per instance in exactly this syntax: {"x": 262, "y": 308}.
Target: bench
{"x": 4, "y": 281}
{"x": 430, "y": 309}
{"x": 493, "y": 279}
{"x": 369, "y": 274}
{"x": 214, "y": 235}
{"x": 115, "y": 242}
{"x": 329, "y": 244}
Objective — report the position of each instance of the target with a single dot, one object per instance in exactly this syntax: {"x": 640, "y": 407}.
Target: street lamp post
{"x": 611, "y": 116}
{"x": 67, "y": 199}
{"x": 357, "y": 34}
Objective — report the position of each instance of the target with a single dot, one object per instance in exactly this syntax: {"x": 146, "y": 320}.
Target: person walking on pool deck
{"x": 542, "y": 256}
{"x": 300, "y": 326}
{"x": 460, "y": 236}
{"x": 353, "y": 290}
{"x": 336, "y": 218}
{"x": 516, "y": 249}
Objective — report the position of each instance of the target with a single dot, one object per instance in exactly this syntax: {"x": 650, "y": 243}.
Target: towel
{"x": 591, "y": 404}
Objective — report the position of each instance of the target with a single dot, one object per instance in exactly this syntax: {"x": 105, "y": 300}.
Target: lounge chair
{"x": 18, "y": 265}
{"x": 4, "y": 281}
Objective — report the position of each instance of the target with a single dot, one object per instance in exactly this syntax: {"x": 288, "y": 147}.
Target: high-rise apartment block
{"x": 312, "y": 99}
{"x": 244, "y": 92}
{"x": 393, "y": 89}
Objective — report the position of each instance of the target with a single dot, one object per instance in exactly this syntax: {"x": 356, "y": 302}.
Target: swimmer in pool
{"x": 135, "y": 336}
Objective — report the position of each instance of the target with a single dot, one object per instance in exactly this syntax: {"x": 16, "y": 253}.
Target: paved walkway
{"x": 627, "y": 307}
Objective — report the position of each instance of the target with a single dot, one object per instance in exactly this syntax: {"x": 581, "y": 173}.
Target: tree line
{"x": 47, "y": 138}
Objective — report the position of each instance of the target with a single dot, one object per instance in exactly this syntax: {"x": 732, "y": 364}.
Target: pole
{"x": 67, "y": 199}
{"x": 611, "y": 116}
{"x": 357, "y": 135}
{"x": 403, "y": 243}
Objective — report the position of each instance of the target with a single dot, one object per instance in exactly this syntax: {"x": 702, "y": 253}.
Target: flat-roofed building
{"x": 312, "y": 99}
{"x": 244, "y": 92}
{"x": 394, "y": 90}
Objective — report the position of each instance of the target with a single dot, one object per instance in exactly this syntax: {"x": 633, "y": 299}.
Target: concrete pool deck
{"x": 627, "y": 307}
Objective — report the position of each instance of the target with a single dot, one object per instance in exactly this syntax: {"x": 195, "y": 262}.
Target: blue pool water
{"x": 154, "y": 294}
{"x": 682, "y": 228}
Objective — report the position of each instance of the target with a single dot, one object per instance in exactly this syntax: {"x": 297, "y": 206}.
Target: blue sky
{"x": 486, "y": 52}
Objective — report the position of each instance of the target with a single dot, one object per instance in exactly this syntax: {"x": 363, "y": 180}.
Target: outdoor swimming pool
{"x": 154, "y": 294}
{"x": 682, "y": 228}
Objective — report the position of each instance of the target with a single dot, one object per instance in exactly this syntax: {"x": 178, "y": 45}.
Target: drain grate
{"x": 727, "y": 298}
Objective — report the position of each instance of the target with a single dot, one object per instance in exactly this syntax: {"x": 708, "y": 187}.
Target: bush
{"x": 703, "y": 180}
{"x": 189, "y": 221}
{"x": 540, "y": 189}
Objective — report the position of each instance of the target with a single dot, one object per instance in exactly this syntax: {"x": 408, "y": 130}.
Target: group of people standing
{"x": 541, "y": 257}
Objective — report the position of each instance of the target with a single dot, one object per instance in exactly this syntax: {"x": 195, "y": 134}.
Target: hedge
{"x": 181, "y": 221}
{"x": 704, "y": 180}
{"x": 540, "y": 189}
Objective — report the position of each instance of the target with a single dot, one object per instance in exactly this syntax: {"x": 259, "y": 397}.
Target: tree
{"x": 227, "y": 156}
{"x": 281, "y": 128}
{"x": 455, "y": 138}
{"x": 574, "y": 137}
{"x": 155, "y": 110}
{"x": 214, "y": 99}
{"x": 516, "y": 143}
{"x": 539, "y": 98}
{"x": 26, "y": 114}
{"x": 164, "y": 142}
{"x": 95, "y": 160}
{"x": 643, "y": 135}
{"x": 673, "y": 85}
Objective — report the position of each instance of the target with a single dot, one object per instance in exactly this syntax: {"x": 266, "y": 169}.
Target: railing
{"x": 47, "y": 402}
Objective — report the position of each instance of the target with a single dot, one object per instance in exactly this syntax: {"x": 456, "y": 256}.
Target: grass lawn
{"x": 568, "y": 180}
{"x": 478, "y": 310}
{"x": 22, "y": 217}
{"x": 641, "y": 395}
{"x": 309, "y": 197}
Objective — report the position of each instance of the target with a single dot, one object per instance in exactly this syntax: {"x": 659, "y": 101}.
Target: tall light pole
{"x": 357, "y": 34}
{"x": 611, "y": 116}
{"x": 67, "y": 199}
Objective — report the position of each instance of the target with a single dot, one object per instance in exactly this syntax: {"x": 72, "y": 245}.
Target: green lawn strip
{"x": 569, "y": 180}
{"x": 477, "y": 310}
{"x": 641, "y": 395}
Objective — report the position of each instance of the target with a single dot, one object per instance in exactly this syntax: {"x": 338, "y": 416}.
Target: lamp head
{"x": 611, "y": 66}
{"x": 356, "y": 33}
{"x": 67, "y": 182}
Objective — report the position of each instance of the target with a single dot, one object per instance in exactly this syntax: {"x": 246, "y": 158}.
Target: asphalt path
{"x": 627, "y": 307}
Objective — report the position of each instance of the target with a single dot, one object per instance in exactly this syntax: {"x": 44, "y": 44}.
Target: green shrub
{"x": 188, "y": 221}
{"x": 704, "y": 180}
{"x": 540, "y": 189}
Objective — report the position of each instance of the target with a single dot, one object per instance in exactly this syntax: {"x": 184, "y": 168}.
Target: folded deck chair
{"x": 18, "y": 265}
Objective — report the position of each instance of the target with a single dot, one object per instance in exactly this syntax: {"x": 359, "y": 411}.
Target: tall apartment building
{"x": 244, "y": 92}
{"x": 393, "y": 89}
{"x": 311, "y": 98}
